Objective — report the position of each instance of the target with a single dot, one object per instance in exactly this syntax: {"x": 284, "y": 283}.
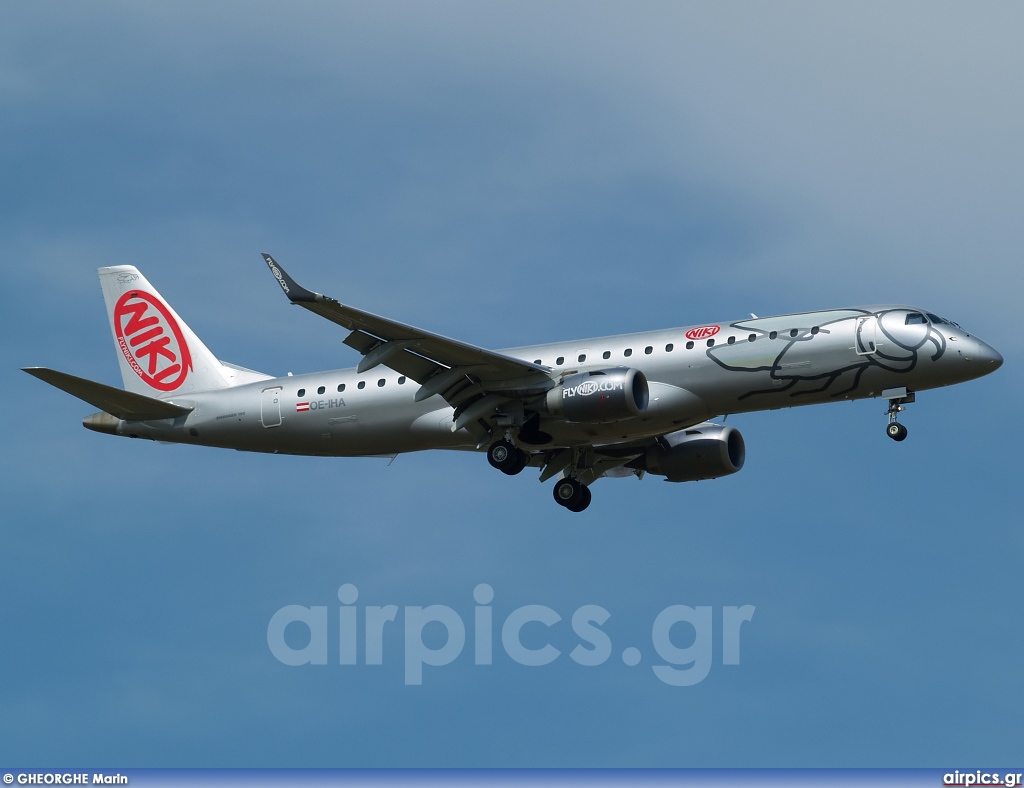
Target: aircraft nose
{"x": 988, "y": 356}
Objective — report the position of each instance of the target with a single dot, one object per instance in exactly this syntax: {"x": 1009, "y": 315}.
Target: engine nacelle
{"x": 706, "y": 451}
{"x": 600, "y": 396}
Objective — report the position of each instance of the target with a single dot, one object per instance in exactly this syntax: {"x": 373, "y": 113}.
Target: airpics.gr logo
{"x": 703, "y": 332}
{"x": 151, "y": 340}
{"x": 375, "y": 634}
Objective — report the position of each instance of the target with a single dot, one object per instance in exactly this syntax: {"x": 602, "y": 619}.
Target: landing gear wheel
{"x": 583, "y": 503}
{"x": 572, "y": 495}
{"x": 896, "y": 431}
{"x": 508, "y": 459}
{"x": 499, "y": 454}
{"x": 522, "y": 459}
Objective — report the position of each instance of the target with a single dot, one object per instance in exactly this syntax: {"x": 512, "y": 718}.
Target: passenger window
{"x": 732, "y": 340}
{"x": 341, "y": 387}
{"x": 915, "y": 319}
{"x": 752, "y": 337}
{"x": 582, "y": 358}
{"x": 606, "y": 354}
{"x": 302, "y": 392}
{"x": 627, "y": 352}
{"x": 401, "y": 381}
{"x": 773, "y": 335}
{"x": 380, "y": 383}
{"x": 689, "y": 345}
{"x": 362, "y": 384}
{"x": 559, "y": 361}
{"x": 648, "y": 350}
{"x": 321, "y": 390}
{"x": 814, "y": 330}
{"x": 711, "y": 343}
{"x": 793, "y": 333}
{"x": 668, "y": 347}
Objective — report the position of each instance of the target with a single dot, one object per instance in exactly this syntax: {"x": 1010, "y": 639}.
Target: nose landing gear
{"x": 895, "y": 430}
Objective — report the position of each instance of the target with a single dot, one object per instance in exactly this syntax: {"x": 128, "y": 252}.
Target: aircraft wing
{"x": 463, "y": 374}
{"x": 117, "y": 402}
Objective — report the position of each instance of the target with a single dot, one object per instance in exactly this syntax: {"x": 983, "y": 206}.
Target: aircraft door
{"x": 270, "y": 407}
{"x": 865, "y": 334}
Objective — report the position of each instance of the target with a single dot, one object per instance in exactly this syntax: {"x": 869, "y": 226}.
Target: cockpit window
{"x": 941, "y": 321}
{"x": 915, "y": 319}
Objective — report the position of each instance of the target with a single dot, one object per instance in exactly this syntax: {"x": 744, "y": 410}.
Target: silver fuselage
{"x": 748, "y": 365}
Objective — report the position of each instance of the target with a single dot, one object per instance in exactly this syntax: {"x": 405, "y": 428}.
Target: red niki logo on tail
{"x": 151, "y": 340}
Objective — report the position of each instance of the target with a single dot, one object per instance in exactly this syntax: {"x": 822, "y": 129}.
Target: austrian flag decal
{"x": 301, "y": 407}
{"x": 151, "y": 340}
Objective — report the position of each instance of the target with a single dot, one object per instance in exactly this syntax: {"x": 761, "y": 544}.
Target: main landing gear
{"x": 895, "y": 430}
{"x": 506, "y": 457}
{"x": 571, "y": 494}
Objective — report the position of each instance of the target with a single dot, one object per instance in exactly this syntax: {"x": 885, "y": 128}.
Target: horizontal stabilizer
{"x": 121, "y": 404}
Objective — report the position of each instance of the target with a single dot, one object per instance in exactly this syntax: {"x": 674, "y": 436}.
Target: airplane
{"x": 616, "y": 406}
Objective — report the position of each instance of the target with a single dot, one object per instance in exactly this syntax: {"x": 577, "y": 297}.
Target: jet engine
{"x": 706, "y": 451}
{"x": 600, "y": 396}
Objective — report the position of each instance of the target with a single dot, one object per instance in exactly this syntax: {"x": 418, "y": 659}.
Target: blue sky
{"x": 508, "y": 174}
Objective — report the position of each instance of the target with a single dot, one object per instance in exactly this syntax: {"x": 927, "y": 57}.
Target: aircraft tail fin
{"x": 158, "y": 353}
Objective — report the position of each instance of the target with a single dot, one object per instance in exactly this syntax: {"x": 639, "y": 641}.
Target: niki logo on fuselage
{"x": 703, "y": 332}
{"x": 151, "y": 341}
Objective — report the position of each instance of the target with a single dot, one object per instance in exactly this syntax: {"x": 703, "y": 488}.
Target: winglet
{"x": 294, "y": 291}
